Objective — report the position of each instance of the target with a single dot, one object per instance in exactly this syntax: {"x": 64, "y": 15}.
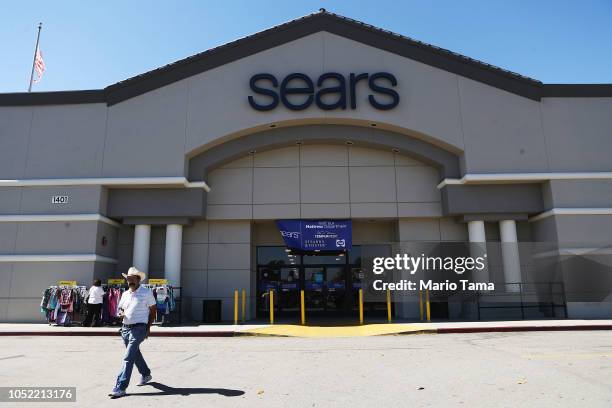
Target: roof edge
{"x": 577, "y": 90}
{"x": 335, "y": 24}
{"x": 296, "y": 29}
{"x": 52, "y": 98}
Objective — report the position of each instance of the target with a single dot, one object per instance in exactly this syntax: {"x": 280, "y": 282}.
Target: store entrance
{"x": 326, "y": 288}
{"x": 330, "y": 282}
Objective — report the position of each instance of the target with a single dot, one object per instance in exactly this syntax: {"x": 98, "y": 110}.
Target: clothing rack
{"x": 80, "y": 295}
{"x": 174, "y": 299}
{"x": 61, "y": 307}
{"x": 110, "y": 302}
{"x": 160, "y": 318}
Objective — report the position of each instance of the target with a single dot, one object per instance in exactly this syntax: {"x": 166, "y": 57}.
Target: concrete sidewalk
{"x": 288, "y": 330}
{"x": 44, "y": 329}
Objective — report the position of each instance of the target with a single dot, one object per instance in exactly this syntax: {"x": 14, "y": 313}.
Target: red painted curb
{"x": 521, "y": 329}
{"x": 449, "y": 330}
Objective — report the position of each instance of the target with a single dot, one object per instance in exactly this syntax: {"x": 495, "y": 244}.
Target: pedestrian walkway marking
{"x": 339, "y": 331}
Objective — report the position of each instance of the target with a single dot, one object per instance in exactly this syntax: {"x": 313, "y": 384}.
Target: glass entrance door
{"x": 325, "y": 288}
{"x": 330, "y": 282}
{"x": 314, "y": 288}
{"x": 289, "y": 291}
{"x": 336, "y": 296}
{"x": 285, "y": 281}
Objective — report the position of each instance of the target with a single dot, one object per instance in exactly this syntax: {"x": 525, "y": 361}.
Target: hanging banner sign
{"x": 316, "y": 235}
{"x": 115, "y": 281}
{"x": 67, "y": 283}
{"x": 158, "y": 281}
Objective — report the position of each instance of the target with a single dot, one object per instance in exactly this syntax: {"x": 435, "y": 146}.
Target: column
{"x": 478, "y": 248}
{"x": 476, "y": 231}
{"x": 510, "y": 254}
{"x": 142, "y": 239}
{"x": 410, "y": 232}
{"x": 174, "y": 242}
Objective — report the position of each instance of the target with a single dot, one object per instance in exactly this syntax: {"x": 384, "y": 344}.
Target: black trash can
{"x": 211, "y": 311}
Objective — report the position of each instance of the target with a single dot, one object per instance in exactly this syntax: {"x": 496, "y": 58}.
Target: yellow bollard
{"x": 388, "y": 305}
{"x": 427, "y": 305}
{"x": 302, "y": 307}
{"x": 236, "y": 306}
{"x": 271, "y": 306}
{"x": 360, "y": 306}
{"x": 243, "y": 305}
{"x": 421, "y": 304}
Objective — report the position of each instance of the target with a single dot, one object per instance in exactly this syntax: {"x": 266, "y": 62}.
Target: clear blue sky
{"x": 89, "y": 45}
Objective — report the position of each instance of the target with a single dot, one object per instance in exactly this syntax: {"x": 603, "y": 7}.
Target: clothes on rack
{"x": 114, "y": 295}
{"x": 60, "y": 303}
{"x": 110, "y": 301}
{"x": 172, "y": 300}
{"x": 161, "y": 297}
{"x": 165, "y": 299}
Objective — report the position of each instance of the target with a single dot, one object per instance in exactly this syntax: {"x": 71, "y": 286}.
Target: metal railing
{"x": 542, "y": 296}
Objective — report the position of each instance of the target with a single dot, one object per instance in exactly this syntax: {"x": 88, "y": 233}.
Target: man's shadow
{"x": 166, "y": 390}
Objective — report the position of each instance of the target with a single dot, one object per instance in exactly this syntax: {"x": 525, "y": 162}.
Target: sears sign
{"x": 290, "y": 234}
{"x": 297, "y": 91}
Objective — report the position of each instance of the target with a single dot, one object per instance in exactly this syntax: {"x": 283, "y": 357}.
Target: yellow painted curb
{"x": 340, "y": 331}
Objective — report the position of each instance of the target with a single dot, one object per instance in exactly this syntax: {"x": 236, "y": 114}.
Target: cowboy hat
{"x": 133, "y": 271}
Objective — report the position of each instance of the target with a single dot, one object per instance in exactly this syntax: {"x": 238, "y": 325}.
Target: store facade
{"x": 184, "y": 170}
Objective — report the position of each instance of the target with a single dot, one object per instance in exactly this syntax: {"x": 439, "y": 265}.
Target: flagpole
{"x": 34, "y": 60}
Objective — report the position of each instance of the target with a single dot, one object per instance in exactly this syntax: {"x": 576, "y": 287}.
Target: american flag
{"x": 39, "y": 66}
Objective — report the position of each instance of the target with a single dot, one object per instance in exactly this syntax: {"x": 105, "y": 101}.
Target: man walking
{"x": 137, "y": 307}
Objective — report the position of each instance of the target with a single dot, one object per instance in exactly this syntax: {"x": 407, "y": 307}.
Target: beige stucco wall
{"x": 323, "y": 181}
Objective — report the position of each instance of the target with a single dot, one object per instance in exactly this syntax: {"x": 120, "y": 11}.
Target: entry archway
{"x": 445, "y": 161}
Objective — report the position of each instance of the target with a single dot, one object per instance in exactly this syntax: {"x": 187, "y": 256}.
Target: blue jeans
{"x": 132, "y": 337}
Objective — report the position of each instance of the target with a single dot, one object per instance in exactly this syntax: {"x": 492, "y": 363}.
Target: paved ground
{"x": 315, "y": 330}
{"x": 531, "y": 369}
